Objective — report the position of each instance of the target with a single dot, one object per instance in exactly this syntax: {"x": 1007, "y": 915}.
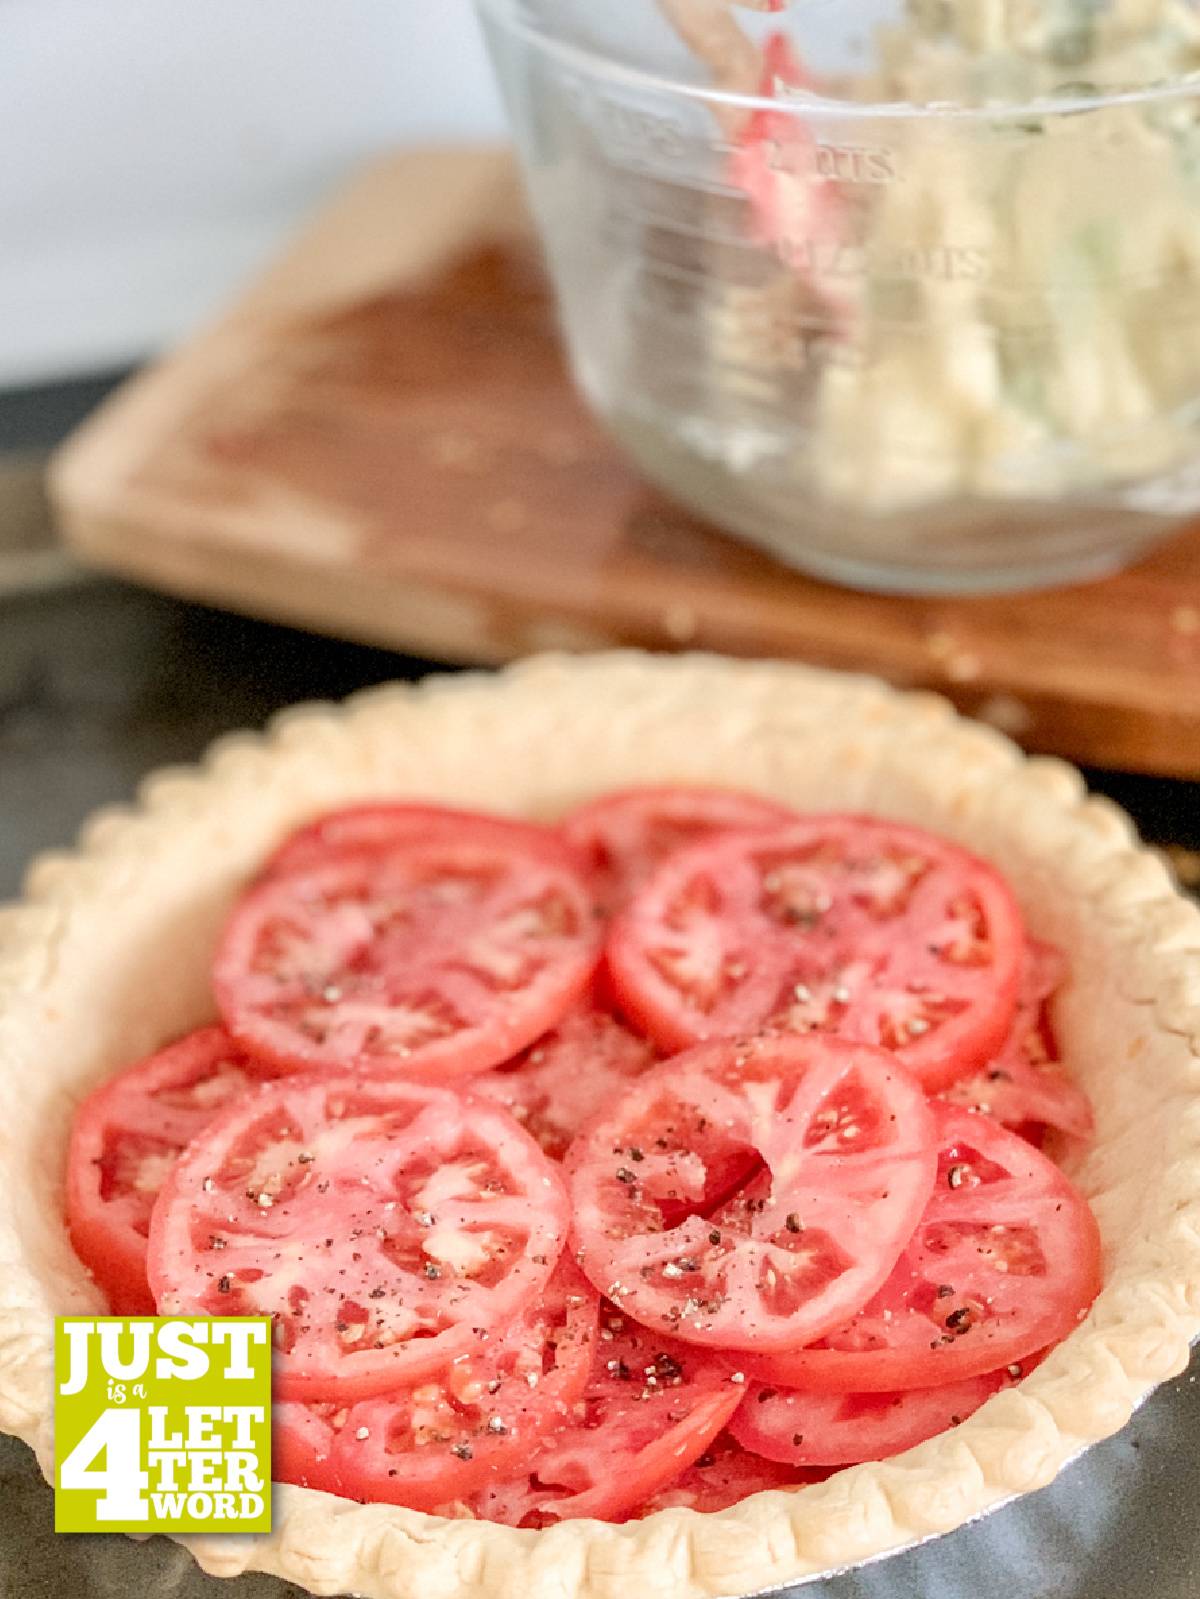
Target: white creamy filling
{"x": 1017, "y": 312}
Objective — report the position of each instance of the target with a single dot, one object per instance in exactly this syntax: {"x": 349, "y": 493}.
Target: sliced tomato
{"x": 389, "y": 1228}
{"x": 560, "y": 1082}
{"x": 436, "y": 959}
{"x": 1026, "y": 1083}
{"x": 377, "y": 828}
{"x": 835, "y": 924}
{"x": 651, "y": 1407}
{"x": 625, "y": 836}
{"x": 478, "y": 1421}
{"x": 724, "y": 1475}
{"x": 797, "y": 1428}
{"x": 1005, "y": 1261}
{"x": 845, "y": 1160}
{"x": 126, "y": 1137}
{"x": 302, "y": 1438}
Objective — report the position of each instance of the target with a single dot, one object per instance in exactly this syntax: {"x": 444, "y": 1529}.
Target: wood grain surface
{"x": 381, "y": 442}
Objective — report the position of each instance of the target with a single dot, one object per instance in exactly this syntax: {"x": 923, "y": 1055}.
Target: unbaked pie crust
{"x": 107, "y": 957}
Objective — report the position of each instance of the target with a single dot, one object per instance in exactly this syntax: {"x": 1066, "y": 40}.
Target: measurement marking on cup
{"x": 694, "y": 186}
{"x": 625, "y": 216}
{"x": 940, "y": 263}
{"x": 636, "y": 130}
{"x": 870, "y": 164}
{"x": 746, "y": 269}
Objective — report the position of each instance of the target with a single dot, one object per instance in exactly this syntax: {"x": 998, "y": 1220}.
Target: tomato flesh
{"x": 377, "y": 828}
{"x": 651, "y": 1407}
{"x": 1026, "y": 1084}
{"x": 479, "y": 1420}
{"x": 843, "y": 925}
{"x": 1005, "y": 1261}
{"x": 797, "y": 1428}
{"x": 560, "y": 1082}
{"x": 302, "y": 1437}
{"x": 388, "y": 1228}
{"x": 844, "y": 1160}
{"x": 125, "y": 1139}
{"x": 724, "y": 1475}
{"x": 820, "y": 1234}
{"x": 624, "y": 837}
{"x": 433, "y": 960}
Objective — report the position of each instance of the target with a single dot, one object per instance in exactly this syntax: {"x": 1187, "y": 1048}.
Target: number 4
{"x": 119, "y": 1434}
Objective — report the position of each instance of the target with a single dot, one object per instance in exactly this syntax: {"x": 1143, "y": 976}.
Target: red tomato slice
{"x": 836, "y": 924}
{"x": 431, "y": 960}
{"x": 724, "y": 1475}
{"x": 652, "y": 1406}
{"x": 387, "y": 1227}
{"x": 377, "y": 828}
{"x": 560, "y": 1082}
{"x": 479, "y": 1420}
{"x": 302, "y": 1444}
{"x": 125, "y": 1139}
{"x": 624, "y": 837}
{"x": 797, "y": 1429}
{"x": 849, "y": 1159}
{"x": 1026, "y": 1082}
{"x": 1005, "y": 1261}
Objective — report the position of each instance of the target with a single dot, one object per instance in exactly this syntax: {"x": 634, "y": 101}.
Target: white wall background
{"x": 154, "y": 152}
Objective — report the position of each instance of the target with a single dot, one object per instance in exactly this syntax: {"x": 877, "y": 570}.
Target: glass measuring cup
{"x": 908, "y": 293}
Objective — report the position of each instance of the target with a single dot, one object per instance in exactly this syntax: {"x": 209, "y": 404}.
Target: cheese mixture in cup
{"x": 906, "y": 290}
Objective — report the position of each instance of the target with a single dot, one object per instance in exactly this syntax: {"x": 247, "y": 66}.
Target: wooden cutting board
{"x": 380, "y": 441}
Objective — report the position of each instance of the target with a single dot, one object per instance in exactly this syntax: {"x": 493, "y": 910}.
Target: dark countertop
{"x": 100, "y": 682}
